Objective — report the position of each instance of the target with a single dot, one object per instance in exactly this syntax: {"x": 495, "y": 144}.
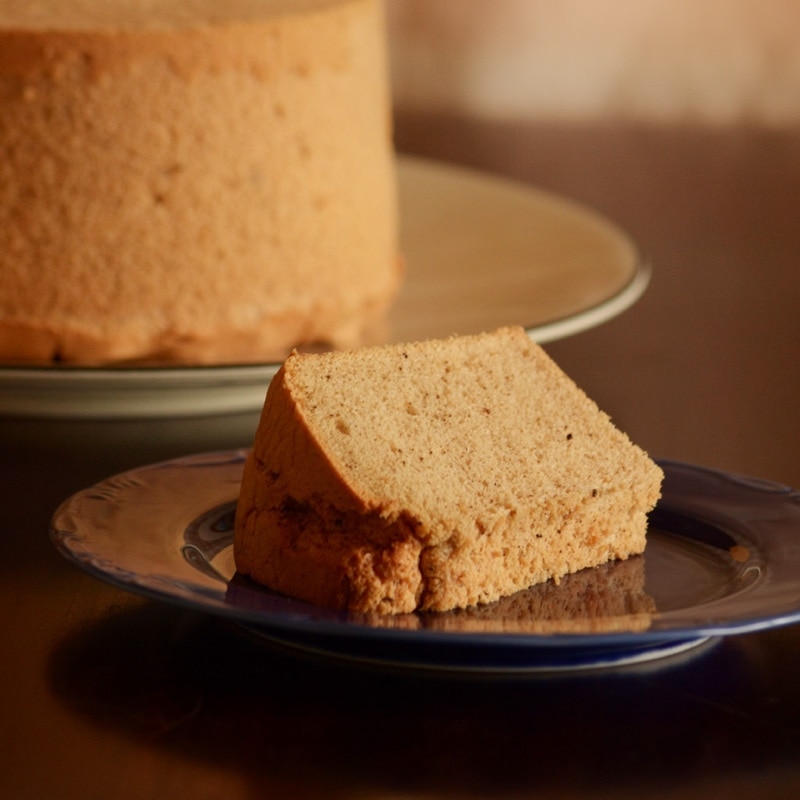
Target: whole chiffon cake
{"x": 193, "y": 181}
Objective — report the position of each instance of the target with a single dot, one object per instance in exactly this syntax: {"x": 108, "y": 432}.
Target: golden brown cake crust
{"x": 195, "y": 181}
{"x": 434, "y": 476}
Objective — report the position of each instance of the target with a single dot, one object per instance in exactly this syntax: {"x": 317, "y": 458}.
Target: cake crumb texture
{"x": 435, "y": 475}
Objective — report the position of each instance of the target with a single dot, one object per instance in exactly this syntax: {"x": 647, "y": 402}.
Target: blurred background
{"x": 713, "y": 61}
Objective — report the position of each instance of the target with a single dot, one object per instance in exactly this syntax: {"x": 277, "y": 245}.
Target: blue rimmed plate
{"x": 723, "y": 558}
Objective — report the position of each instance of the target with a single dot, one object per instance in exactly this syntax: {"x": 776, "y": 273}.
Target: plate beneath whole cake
{"x": 480, "y": 251}
{"x": 723, "y": 558}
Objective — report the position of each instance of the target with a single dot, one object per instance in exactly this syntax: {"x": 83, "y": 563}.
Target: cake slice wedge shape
{"x": 435, "y": 475}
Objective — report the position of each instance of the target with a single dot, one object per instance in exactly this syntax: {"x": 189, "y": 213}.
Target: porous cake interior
{"x": 479, "y": 450}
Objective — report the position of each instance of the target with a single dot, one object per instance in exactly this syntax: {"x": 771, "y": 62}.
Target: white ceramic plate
{"x": 481, "y": 252}
{"x": 723, "y": 558}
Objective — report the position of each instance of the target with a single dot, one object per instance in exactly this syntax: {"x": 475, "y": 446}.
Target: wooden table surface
{"x": 105, "y": 694}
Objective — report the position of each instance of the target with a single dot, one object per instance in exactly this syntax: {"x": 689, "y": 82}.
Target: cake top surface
{"x": 82, "y": 15}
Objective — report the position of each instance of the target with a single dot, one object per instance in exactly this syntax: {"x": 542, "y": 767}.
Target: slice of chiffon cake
{"x": 435, "y": 475}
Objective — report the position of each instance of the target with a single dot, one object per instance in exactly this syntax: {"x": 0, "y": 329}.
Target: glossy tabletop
{"x": 108, "y": 694}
